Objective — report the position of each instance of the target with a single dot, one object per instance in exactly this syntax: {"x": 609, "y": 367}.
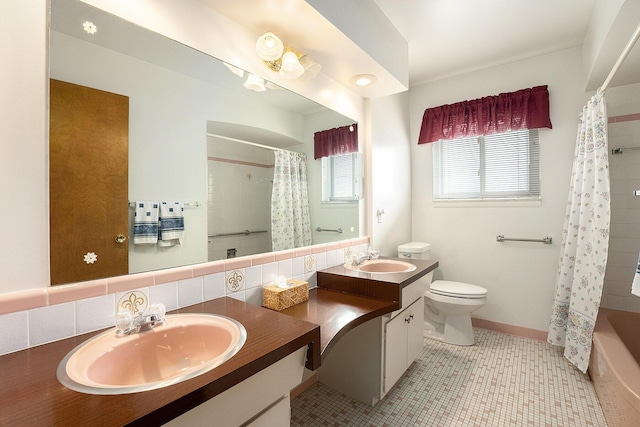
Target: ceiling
{"x": 450, "y": 37}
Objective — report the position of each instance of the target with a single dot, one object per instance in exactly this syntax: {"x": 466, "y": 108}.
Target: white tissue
{"x": 281, "y": 282}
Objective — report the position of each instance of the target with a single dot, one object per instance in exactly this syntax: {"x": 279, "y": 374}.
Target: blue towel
{"x": 145, "y": 223}
{"x": 171, "y": 229}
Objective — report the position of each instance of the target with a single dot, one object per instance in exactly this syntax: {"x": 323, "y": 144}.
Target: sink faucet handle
{"x": 158, "y": 310}
{"x": 124, "y": 322}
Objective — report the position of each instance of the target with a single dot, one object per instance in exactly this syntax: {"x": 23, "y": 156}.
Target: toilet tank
{"x": 415, "y": 250}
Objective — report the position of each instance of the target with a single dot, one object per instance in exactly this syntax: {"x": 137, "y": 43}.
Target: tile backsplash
{"x": 41, "y": 316}
{"x": 624, "y": 237}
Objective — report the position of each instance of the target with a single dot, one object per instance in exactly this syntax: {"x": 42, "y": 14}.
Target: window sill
{"x": 487, "y": 203}
{"x": 344, "y": 204}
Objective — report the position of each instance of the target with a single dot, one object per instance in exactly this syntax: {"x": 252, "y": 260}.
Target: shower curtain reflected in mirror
{"x": 290, "y": 219}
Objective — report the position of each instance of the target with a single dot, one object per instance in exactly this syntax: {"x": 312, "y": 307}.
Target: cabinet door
{"x": 395, "y": 350}
{"x": 415, "y": 333}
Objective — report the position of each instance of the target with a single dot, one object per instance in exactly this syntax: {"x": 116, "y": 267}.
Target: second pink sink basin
{"x": 185, "y": 346}
{"x": 382, "y": 266}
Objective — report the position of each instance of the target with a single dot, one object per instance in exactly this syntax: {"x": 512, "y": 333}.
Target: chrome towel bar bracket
{"x": 546, "y": 240}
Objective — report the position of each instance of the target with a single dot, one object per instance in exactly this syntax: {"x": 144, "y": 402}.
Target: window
{"x": 498, "y": 166}
{"x": 341, "y": 178}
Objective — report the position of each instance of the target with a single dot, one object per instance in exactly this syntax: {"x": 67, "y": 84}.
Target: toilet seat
{"x": 457, "y": 289}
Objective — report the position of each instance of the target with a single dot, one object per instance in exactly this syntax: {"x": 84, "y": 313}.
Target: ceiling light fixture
{"x": 363, "y": 79}
{"x": 285, "y": 60}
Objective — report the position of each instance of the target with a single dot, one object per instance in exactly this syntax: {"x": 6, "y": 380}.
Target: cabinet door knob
{"x": 120, "y": 238}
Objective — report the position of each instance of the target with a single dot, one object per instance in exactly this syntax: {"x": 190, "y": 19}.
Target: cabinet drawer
{"x": 412, "y": 292}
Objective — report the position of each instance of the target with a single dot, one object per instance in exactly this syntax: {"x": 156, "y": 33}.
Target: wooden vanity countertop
{"x": 30, "y": 393}
{"x": 386, "y": 286}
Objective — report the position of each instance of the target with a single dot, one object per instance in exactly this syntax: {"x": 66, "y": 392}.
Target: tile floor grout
{"x": 503, "y": 380}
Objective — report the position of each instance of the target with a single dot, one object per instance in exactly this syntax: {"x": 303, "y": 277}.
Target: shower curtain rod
{"x": 632, "y": 41}
{"x": 242, "y": 141}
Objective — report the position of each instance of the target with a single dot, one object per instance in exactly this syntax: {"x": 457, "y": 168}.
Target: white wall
{"x": 391, "y": 181}
{"x": 24, "y": 176}
{"x": 520, "y": 277}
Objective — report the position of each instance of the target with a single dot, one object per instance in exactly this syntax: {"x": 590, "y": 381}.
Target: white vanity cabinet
{"x": 366, "y": 362}
{"x": 403, "y": 342}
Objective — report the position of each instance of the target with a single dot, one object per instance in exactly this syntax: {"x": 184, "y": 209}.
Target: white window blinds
{"x": 499, "y": 166}
{"x": 341, "y": 177}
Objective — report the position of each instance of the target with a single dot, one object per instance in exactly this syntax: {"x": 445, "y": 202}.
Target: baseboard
{"x": 505, "y": 328}
{"x": 297, "y": 391}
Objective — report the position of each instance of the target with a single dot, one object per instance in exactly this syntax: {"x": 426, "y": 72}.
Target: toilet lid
{"x": 457, "y": 289}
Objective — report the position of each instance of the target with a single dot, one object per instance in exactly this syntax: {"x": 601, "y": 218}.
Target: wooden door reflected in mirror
{"x": 88, "y": 190}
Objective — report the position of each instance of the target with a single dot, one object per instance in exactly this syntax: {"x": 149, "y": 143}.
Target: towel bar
{"x": 338, "y": 230}
{"x": 245, "y": 232}
{"x": 546, "y": 240}
{"x": 195, "y": 204}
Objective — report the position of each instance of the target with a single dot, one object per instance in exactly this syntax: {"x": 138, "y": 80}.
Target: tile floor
{"x": 501, "y": 381}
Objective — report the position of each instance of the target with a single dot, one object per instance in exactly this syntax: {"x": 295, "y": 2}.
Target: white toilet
{"x": 447, "y": 305}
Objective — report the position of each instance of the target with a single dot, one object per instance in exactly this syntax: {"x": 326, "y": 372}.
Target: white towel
{"x": 171, "y": 229}
{"x": 145, "y": 223}
{"x": 635, "y": 286}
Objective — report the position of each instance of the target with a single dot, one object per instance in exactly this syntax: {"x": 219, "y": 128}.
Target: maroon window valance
{"x": 331, "y": 142}
{"x": 524, "y": 109}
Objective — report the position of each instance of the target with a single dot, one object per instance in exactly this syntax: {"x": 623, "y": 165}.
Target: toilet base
{"x": 434, "y": 331}
{"x": 456, "y": 330}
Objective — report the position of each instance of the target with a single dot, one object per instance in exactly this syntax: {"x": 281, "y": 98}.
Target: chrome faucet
{"x": 362, "y": 257}
{"x": 359, "y": 259}
{"x": 127, "y": 323}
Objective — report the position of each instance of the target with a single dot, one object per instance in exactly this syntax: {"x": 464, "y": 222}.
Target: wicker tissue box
{"x": 278, "y": 299}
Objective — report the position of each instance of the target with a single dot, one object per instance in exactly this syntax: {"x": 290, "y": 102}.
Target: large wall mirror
{"x": 189, "y": 117}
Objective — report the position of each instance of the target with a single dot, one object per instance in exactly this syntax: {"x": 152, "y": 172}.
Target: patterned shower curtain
{"x": 290, "y": 220}
{"x": 583, "y": 255}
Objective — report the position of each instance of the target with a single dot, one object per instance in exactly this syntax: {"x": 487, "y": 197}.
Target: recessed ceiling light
{"x": 89, "y": 27}
{"x": 363, "y": 79}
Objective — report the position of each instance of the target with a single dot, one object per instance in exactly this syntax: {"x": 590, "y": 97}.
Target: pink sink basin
{"x": 382, "y": 266}
{"x": 185, "y": 346}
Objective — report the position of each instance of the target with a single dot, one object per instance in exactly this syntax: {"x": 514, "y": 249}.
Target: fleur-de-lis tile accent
{"x": 133, "y": 301}
{"x": 235, "y": 281}
{"x": 309, "y": 264}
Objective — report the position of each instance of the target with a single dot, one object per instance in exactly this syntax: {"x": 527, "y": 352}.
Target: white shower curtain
{"x": 583, "y": 255}
{"x": 290, "y": 220}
